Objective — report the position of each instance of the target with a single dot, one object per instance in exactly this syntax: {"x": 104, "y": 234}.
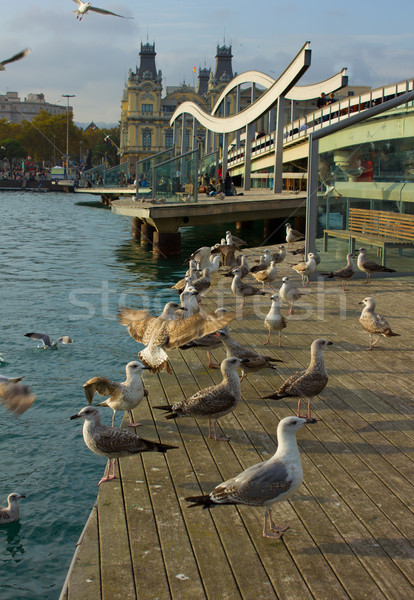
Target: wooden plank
{"x": 84, "y": 580}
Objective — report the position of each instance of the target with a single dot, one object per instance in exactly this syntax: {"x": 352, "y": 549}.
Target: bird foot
{"x": 134, "y": 424}
{"x": 276, "y": 531}
{"x": 219, "y": 438}
{"x": 212, "y": 365}
{"x": 107, "y": 478}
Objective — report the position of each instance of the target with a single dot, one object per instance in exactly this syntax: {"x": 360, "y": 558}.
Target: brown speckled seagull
{"x": 168, "y": 331}
{"x": 17, "y": 398}
{"x": 309, "y": 382}
{"x": 373, "y": 323}
{"x": 212, "y": 402}
{"x": 252, "y": 361}
{"x": 369, "y": 266}
{"x": 345, "y": 273}
{"x": 267, "y": 482}
{"x": 245, "y": 290}
{"x": 11, "y": 512}
{"x": 113, "y": 442}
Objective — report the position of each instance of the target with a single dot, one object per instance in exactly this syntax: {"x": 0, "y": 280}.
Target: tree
{"x": 10, "y": 148}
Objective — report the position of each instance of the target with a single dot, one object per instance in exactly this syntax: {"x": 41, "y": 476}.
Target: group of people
{"x": 222, "y": 186}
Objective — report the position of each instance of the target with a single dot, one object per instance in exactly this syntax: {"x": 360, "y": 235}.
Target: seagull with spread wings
{"x": 17, "y": 56}
{"x": 84, "y": 7}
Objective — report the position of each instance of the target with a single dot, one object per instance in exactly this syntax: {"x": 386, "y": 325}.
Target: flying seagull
{"x": 84, "y": 7}
{"x": 47, "y": 343}
{"x": 17, "y": 56}
{"x": 17, "y": 398}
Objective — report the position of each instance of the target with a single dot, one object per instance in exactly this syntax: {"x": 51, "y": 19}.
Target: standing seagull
{"x": 122, "y": 396}
{"x": 84, "y": 7}
{"x": 289, "y": 293}
{"x": 243, "y": 289}
{"x": 307, "y": 383}
{"x": 304, "y": 269}
{"x": 17, "y": 398}
{"x": 345, "y": 273}
{"x": 252, "y": 361}
{"x": 292, "y": 235}
{"x": 374, "y": 323}
{"x": 268, "y": 275}
{"x": 112, "y": 442}
{"x": 11, "y": 513}
{"x": 369, "y": 266}
{"x": 17, "y": 56}
{"x": 214, "y": 401}
{"x": 267, "y": 482}
{"x": 274, "y": 321}
{"x": 46, "y": 341}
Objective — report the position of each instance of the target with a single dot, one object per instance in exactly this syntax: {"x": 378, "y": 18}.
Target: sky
{"x": 91, "y": 58}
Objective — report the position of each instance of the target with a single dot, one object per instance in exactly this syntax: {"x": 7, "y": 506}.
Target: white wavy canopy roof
{"x": 298, "y": 92}
{"x": 279, "y": 87}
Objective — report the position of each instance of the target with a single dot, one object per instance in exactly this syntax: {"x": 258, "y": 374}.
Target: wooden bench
{"x": 380, "y": 228}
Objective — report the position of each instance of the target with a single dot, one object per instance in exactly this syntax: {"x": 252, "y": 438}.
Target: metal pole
{"x": 278, "y": 164}
{"x": 67, "y": 131}
{"x": 312, "y": 195}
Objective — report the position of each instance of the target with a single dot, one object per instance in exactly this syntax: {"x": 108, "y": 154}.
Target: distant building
{"x": 15, "y": 110}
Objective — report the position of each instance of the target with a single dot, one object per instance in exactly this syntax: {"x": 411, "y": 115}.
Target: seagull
{"x": 292, "y": 235}
{"x": 369, "y": 266}
{"x": 189, "y": 300}
{"x": 289, "y": 293}
{"x": 113, "y": 442}
{"x": 17, "y": 56}
{"x": 267, "y": 482}
{"x": 84, "y": 7}
{"x": 252, "y": 361}
{"x": 279, "y": 256}
{"x": 345, "y": 273}
{"x": 309, "y": 382}
{"x": 202, "y": 256}
{"x": 212, "y": 402}
{"x": 168, "y": 331}
{"x": 202, "y": 284}
{"x": 274, "y": 321}
{"x": 264, "y": 262}
{"x": 267, "y": 275}
{"x": 122, "y": 396}
{"x": 374, "y": 323}
{"x": 17, "y": 398}
{"x": 304, "y": 269}
{"x": 47, "y": 343}
{"x": 214, "y": 263}
{"x": 243, "y": 289}
{"x": 243, "y": 266}
{"x": 227, "y": 252}
{"x": 233, "y": 240}
{"x": 209, "y": 341}
{"x": 11, "y": 514}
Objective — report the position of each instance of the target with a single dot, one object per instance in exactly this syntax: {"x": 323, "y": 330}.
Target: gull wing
{"x": 138, "y": 322}
{"x": 16, "y": 397}
{"x": 40, "y": 336}
{"x": 257, "y": 485}
{"x": 100, "y": 385}
{"x": 107, "y": 12}
{"x": 17, "y": 56}
{"x": 185, "y": 330}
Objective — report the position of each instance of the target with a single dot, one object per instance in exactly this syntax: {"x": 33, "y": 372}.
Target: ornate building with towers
{"x": 146, "y": 113}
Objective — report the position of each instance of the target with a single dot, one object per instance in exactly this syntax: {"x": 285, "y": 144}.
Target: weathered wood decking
{"x": 352, "y": 525}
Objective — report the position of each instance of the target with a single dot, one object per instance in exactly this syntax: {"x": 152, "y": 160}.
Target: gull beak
{"x": 21, "y": 496}
{"x": 74, "y": 417}
{"x": 311, "y": 421}
{"x": 144, "y": 369}
{"x": 361, "y": 302}
{"x": 329, "y": 343}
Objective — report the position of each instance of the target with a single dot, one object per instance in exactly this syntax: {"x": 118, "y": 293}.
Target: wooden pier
{"x": 351, "y": 524}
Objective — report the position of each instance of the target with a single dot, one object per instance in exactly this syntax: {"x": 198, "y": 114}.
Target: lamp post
{"x": 67, "y": 132}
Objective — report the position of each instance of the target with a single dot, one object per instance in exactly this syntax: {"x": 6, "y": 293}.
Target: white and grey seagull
{"x": 17, "y": 56}
{"x": 267, "y": 482}
{"x": 84, "y": 7}
{"x": 11, "y": 513}
{"x": 47, "y": 342}
{"x": 122, "y": 396}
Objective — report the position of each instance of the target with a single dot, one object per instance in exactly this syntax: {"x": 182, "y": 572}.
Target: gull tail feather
{"x": 205, "y": 501}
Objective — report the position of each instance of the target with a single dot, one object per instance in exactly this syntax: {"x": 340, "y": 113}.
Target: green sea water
{"x": 67, "y": 265}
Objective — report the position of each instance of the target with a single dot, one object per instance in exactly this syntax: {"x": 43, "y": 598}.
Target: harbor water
{"x": 67, "y": 265}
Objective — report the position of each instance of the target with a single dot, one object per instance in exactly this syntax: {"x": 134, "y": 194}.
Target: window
{"x": 168, "y": 139}
{"x": 168, "y": 110}
{"x": 147, "y": 109}
{"x": 146, "y": 138}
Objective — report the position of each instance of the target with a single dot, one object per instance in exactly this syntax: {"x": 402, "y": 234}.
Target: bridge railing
{"x": 117, "y": 176}
{"x": 176, "y": 179}
{"x": 144, "y": 170}
{"x": 316, "y": 120}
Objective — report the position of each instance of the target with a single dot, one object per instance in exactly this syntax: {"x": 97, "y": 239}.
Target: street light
{"x": 67, "y": 131}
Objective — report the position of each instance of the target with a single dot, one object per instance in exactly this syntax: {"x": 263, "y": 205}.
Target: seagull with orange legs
{"x": 267, "y": 482}
{"x": 304, "y": 269}
{"x": 370, "y": 266}
{"x": 245, "y": 290}
{"x": 289, "y": 293}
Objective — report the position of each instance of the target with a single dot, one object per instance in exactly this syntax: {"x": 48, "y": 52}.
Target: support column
{"x": 183, "y": 133}
{"x": 278, "y": 164}
{"x": 225, "y": 153}
{"x": 248, "y": 156}
{"x": 147, "y": 232}
{"x": 274, "y": 230}
{"x": 136, "y": 229}
{"x": 207, "y": 145}
{"x": 166, "y": 243}
{"x": 175, "y": 133}
{"x": 312, "y": 195}
{"x": 238, "y": 103}
{"x": 194, "y": 144}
